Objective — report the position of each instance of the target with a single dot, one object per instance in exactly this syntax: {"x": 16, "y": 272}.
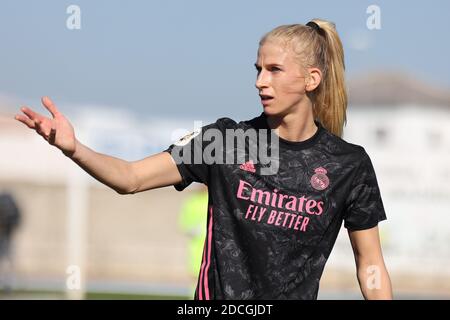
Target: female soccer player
{"x": 271, "y": 224}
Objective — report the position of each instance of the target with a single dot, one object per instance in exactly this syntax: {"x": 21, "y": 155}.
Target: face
{"x": 280, "y": 81}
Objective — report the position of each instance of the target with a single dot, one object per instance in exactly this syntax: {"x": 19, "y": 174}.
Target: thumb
{"x": 49, "y": 105}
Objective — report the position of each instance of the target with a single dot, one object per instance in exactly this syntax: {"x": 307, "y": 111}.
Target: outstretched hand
{"x": 57, "y": 130}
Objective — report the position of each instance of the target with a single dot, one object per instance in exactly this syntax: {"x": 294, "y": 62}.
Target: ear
{"x": 315, "y": 76}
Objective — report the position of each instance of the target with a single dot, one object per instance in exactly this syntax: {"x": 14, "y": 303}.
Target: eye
{"x": 275, "y": 69}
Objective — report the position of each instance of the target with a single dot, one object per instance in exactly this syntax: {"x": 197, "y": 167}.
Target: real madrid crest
{"x": 319, "y": 180}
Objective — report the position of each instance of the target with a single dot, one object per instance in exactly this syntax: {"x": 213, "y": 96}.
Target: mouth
{"x": 266, "y": 99}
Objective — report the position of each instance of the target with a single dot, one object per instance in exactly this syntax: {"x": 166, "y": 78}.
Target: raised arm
{"x": 372, "y": 274}
{"x": 124, "y": 177}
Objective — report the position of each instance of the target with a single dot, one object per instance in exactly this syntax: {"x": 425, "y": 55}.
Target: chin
{"x": 274, "y": 111}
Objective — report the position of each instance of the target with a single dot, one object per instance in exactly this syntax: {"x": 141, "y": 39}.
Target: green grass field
{"x": 57, "y": 295}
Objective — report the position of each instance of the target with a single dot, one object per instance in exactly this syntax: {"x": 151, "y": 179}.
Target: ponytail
{"x": 330, "y": 103}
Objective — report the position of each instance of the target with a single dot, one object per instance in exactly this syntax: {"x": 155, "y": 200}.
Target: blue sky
{"x": 195, "y": 58}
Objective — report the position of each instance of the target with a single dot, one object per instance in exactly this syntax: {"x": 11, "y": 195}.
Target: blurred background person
{"x": 192, "y": 222}
{"x": 9, "y": 222}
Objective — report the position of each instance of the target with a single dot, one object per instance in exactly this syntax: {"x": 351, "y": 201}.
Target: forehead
{"x": 275, "y": 52}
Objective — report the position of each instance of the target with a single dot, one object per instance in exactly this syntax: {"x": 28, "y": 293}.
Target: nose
{"x": 262, "y": 80}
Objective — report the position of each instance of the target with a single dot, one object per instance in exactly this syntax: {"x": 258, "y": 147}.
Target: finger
{"x": 30, "y": 113}
{"x": 38, "y": 125}
{"x": 27, "y": 121}
{"x": 39, "y": 128}
{"x": 52, "y": 136}
{"x": 52, "y": 128}
{"x": 49, "y": 105}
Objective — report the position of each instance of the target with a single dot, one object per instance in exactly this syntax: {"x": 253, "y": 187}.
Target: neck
{"x": 295, "y": 126}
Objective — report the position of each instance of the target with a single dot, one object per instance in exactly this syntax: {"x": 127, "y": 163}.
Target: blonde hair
{"x": 321, "y": 49}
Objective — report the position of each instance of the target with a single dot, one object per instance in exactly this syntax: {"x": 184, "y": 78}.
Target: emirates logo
{"x": 319, "y": 180}
{"x": 248, "y": 166}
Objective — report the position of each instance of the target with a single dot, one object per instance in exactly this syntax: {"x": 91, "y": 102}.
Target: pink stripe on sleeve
{"x": 209, "y": 253}
{"x": 200, "y": 295}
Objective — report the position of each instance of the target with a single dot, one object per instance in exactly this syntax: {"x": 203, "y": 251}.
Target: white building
{"x": 407, "y": 136}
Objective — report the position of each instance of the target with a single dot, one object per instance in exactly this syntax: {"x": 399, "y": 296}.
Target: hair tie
{"x": 315, "y": 26}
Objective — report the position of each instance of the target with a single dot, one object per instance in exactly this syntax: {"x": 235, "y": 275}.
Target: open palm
{"x": 57, "y": 130}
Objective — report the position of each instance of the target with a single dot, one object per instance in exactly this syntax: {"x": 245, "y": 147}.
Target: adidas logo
{"x": 248, "y": 166}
